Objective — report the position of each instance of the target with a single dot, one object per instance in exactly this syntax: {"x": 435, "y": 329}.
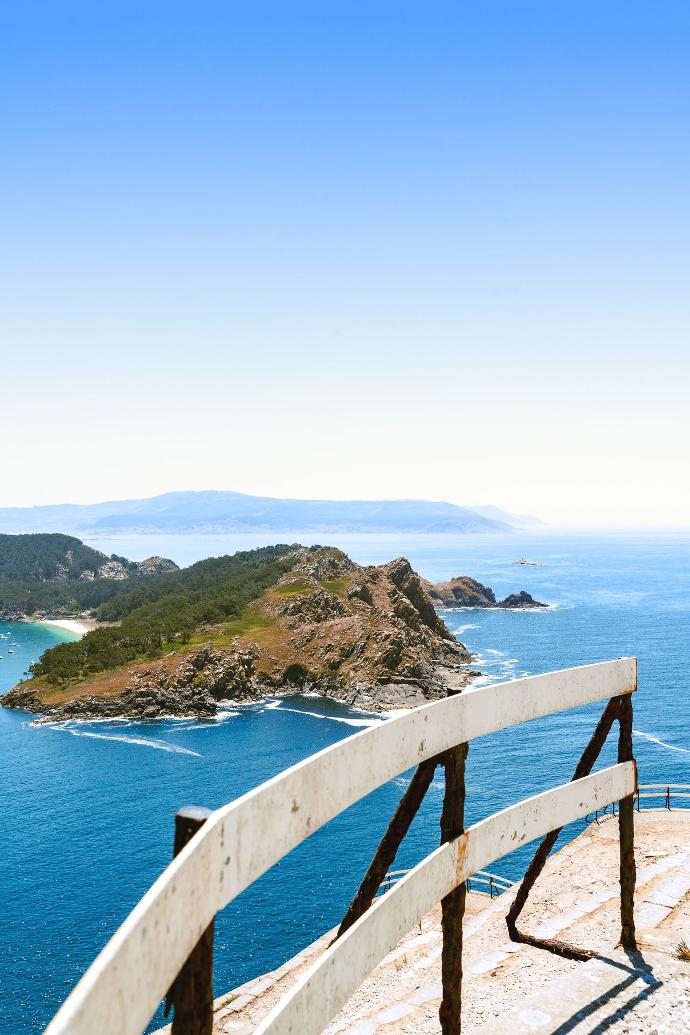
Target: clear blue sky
{"x": 348, "y": 250}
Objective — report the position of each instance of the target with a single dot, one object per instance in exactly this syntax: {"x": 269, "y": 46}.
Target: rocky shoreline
{"x": 368, "y": 637}
{"x": 13, "y": 614}
{"x": 209, "y": 678}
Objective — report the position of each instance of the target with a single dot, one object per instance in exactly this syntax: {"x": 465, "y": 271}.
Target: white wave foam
{"x": 661, "y": 743}
{"x": 158, "y": 745}
{"x": 335, "y": 718}
{"x": 121, "y": 720}
{"x": 271, "y": 705}
{"x": 463, "y": 628}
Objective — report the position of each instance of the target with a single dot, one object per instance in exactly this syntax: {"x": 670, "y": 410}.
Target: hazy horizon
{"x": 391, "y": 251}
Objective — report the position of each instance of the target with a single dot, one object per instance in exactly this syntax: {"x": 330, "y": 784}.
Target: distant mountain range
{"x": 236, "y": 512}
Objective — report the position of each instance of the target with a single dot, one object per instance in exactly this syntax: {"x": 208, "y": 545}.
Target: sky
{"x": 348, "y": 250}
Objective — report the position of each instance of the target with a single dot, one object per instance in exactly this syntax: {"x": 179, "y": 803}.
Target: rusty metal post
{"x": 385, "y": 853}
{"x": 191, "y": 994}
{"x": 626, "y": 828}
{"x": 583, "y": 768}
{"x": 453, "y": 905}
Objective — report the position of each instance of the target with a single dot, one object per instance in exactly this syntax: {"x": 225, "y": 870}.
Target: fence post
{"x": 392, "y": 839}
{"x": 583, "y": 768}
{"x": 626, "y": 828}
{"x": 453, "y": 905}
{"x": 668, "y": 798}
{"x": 191, "y": 994}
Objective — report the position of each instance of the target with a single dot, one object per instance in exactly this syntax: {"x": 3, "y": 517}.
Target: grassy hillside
{"x": 164, "y": 610}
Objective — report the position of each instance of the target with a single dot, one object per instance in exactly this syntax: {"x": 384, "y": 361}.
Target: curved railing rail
{"x": 239, "y": 842}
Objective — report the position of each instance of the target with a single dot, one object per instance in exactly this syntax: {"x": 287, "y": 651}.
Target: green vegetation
{"x": 32, "y": 558}
{"x": 338, "y": 586}
{"x": 167, "y": 609}
{"x": 51, "y": 573}
{"x": 57, "y": 597}
{"x": 252, "y": 623}
{"x": 289, "y": 589}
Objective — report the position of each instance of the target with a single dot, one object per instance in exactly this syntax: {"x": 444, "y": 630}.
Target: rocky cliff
{"x": 367, "y": 636}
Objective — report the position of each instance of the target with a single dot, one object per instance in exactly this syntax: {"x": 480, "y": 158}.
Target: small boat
{"x": 10, "y": 652}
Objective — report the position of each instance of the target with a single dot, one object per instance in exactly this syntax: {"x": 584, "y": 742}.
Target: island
{"x": 275, "y": 621}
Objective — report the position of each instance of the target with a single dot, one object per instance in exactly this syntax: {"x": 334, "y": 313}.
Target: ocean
{"x": 90, "y": 806}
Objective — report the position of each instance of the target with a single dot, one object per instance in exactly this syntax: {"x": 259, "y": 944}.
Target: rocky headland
{"x": 463, "y": 591}
{"x": 367, "y": 636}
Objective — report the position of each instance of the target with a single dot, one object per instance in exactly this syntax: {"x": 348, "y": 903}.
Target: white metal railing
{"x": 494, "y": 883}
{"x": 667, "y": 791}
{"x": 648, "y": 791}
{"x": 239, "y": 842}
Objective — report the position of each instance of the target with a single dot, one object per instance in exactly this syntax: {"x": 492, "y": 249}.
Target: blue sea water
{"x": 89, "y": 806}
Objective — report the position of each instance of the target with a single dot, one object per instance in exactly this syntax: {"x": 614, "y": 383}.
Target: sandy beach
{"x": 75, "y": 625}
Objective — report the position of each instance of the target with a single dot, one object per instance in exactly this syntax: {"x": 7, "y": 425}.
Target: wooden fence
{"x": 165, "y": 945}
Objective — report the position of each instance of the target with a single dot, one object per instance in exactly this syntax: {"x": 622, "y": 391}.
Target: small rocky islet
{"x": 464, "y": 591}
